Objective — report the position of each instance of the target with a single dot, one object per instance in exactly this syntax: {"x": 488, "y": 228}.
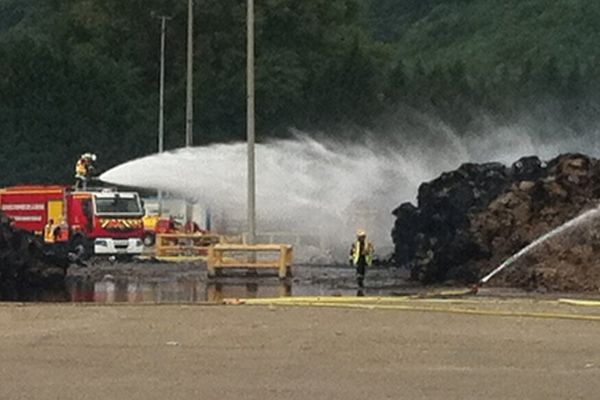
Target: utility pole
{"x": 250, "y": 123}
{"x": 161, "y": 96}
{"x": 189, "y": 109}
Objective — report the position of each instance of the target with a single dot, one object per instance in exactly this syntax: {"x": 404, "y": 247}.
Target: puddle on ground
{"x": 166, "y": 284}
{"x": 185, "y": 291}
{"x": 191, "y": 291}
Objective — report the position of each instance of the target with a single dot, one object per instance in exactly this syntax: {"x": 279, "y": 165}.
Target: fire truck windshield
{"x": 118, "y": 204}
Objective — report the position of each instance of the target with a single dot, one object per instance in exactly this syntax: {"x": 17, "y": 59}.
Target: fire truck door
{"x": 55, "y": 210}
{"x": 86, "y": 206}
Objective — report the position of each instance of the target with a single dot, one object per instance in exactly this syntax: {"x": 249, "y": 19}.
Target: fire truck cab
{"x": 103, "y": 221}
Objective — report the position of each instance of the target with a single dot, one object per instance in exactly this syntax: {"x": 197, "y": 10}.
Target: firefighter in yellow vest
{"x": 83, "y": 169}
{"x": 49, "y": 232}
{"x": 54, "y": 233}
{"x": 361, "y": 256}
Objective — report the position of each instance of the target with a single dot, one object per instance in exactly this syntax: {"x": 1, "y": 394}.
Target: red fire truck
{"x": 103, "y": 221}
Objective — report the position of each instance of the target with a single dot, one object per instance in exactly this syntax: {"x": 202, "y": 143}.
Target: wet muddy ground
{"x": 179, "y": 283}
{"x": 156, "y": 282}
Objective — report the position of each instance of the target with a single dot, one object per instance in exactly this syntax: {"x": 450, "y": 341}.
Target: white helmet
{"x": 89, "y": 156}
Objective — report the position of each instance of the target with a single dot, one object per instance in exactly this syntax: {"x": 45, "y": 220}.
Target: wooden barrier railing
{"x": 184, "y": 244}
{"x": 275, "y": 237}
{"x": 246, "y": 256}
{"x": 233, "y": 239}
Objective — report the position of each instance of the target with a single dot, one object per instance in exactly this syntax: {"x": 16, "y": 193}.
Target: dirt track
{"x": 217, "y": 352}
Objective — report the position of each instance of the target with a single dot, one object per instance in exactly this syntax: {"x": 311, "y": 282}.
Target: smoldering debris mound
{"x": 24, "y": 266}
{"x": 468, "y": 221}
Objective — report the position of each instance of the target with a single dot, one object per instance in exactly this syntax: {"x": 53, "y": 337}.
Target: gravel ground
{"x": 68, "y": 351}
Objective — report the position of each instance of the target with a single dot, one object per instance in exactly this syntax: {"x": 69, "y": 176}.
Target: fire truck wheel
{"x": 149, "y": 239}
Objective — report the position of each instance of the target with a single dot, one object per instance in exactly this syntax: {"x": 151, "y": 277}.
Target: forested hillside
{"x": 82, "y": 75}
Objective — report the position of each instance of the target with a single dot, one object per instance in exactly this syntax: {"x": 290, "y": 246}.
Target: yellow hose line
{"x": 348, "y": 299}
{"x": 460, "y": 292}
{"x": 450, "y": 310}
{"x": 329, "y": 299}
{"x": 577, "y": 302}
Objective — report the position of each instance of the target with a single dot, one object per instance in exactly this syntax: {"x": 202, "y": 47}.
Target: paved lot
{"x": 217, "y": 352}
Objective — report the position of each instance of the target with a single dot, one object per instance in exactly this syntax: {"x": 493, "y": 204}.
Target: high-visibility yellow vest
{"x": 367, "y": 252}
{"x": 49, "y": 233}
{"x": 80, "y": 169}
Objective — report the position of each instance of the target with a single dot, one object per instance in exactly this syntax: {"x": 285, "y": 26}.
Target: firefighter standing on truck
{"x": 84, "y": 169}
{"x": 361, "y": 256}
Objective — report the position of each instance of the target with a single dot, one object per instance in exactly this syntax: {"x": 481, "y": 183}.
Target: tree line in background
{"x": 82, "y": 75}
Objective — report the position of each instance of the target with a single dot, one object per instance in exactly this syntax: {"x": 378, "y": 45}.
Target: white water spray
{"x": 575, "y": 222}
{"x": 324, "y": 187}
{"x": 327, "y": 189}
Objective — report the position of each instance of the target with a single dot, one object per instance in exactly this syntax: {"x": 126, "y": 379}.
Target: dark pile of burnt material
{"x": 470, "y": 220}
{"x": 24, "y": 266}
